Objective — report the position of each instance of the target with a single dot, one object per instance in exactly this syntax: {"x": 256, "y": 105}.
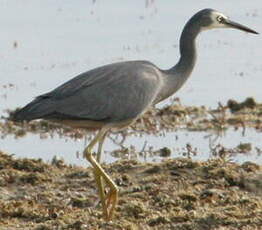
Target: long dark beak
{"x": 239, "y": 26}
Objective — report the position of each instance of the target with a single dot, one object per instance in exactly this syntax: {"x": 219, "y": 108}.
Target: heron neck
{"x": 177, "y": 75}
{"x": 187, "y": 60}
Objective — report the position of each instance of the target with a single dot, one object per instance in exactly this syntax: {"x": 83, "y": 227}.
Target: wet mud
{"x": 173, "y": 194}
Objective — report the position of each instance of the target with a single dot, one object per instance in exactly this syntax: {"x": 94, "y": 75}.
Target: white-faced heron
{"x": 113, "y": 96}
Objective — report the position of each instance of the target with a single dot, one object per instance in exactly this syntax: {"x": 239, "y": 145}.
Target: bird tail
{"x": 38, "y": 108}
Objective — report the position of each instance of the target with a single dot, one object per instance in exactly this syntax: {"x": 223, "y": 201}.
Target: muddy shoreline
{"x": 173, "y": 194}
{"x": 178, "y": 193}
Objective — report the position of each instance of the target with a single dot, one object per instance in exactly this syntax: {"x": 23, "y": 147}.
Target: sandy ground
{"x": 173, "y": 194}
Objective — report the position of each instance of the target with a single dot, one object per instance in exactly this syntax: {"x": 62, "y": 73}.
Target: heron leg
{"x": 100, "y": 144}
{"x": 109, "y": 200}
{"x": 99, "y": 179}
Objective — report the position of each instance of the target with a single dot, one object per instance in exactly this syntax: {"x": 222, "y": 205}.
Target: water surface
{"x": 47, "y": 43}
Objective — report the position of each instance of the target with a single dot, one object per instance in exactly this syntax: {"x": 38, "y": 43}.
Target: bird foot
{"x": 110, "y": 203}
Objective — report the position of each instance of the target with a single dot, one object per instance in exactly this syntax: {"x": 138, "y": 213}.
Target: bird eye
{"x": 220, "y": 19}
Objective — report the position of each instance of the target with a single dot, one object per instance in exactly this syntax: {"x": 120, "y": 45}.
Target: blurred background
{"x": 45, "y": 43}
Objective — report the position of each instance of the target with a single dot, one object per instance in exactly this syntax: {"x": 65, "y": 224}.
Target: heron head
{"x": 211, "y": 19}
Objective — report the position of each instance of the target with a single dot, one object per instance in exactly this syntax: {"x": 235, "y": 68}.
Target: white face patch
{"x": 217, "y": 21}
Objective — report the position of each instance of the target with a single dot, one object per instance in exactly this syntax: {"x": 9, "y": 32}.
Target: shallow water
{"x": 49, "y": 42}
{"x": 139, "y": 147}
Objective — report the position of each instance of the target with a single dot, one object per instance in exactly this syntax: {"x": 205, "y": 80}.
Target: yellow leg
{"x": 100, "y": 144}
{"x": 99, "y": 179}
{"x": 109, "y": 201}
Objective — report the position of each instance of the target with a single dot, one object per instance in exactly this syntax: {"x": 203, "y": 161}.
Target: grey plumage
{"x": 119, "y": 91}
{"x": 115, "y": 95}
{"x": 99, "y": 94}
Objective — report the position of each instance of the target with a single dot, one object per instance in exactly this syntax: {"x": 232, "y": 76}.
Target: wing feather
{"x": 113, "y": 92}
